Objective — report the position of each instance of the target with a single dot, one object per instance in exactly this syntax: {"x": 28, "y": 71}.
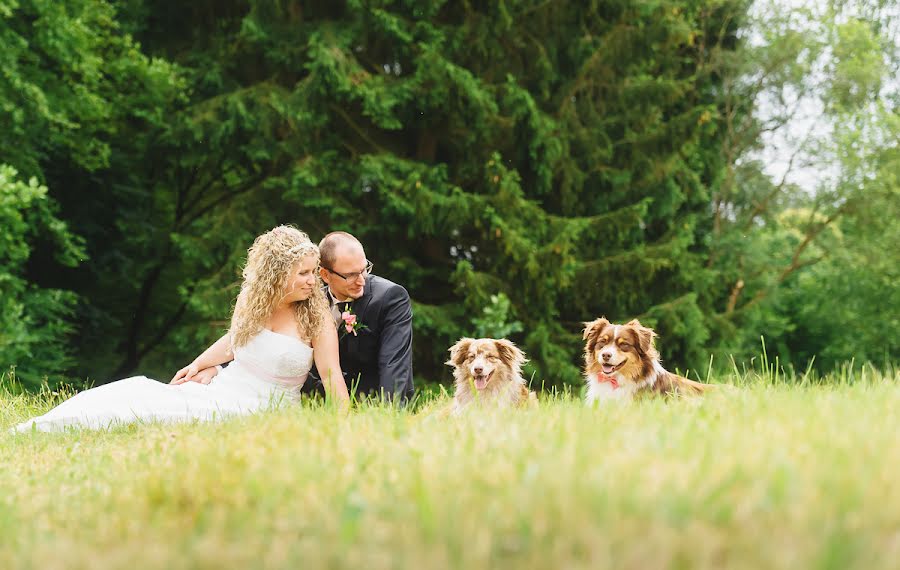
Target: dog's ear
{"x": 645, "y": 335}
{"x": 459, "y": 351}
{"x": 510, "y": 353}
{"x": 593, "y": 327}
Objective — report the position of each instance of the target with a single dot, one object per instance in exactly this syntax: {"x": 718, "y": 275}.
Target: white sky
{"x": 809, "y": 170}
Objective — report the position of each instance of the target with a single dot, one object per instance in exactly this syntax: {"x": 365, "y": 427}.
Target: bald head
{"x": 338, "y": 244}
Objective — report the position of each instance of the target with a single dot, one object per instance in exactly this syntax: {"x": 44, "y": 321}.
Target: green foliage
{"x": 808, "y": 267}
{"x": 845, "y": 307}
{"x": 557, "y": 158}
{"x": 482, "y": 151}
{"x": 495, "y": 319}
{"x": 552, "y": 162}
{"x": 82, "y": 108}
{"x": 69, "y": 82}
{"x": 34, "y": 321}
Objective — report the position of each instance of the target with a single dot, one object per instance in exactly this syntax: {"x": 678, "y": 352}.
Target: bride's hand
{"x": 186, "y": 374}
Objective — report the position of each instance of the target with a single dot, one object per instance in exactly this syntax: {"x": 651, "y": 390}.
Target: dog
{"x": 488, "y": 371}
{"x": 621, "y": 363}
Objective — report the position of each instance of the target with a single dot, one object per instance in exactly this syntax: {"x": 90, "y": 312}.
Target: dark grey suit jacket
{"x": 378, "y": 359}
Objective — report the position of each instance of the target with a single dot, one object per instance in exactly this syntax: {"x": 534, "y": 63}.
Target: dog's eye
{"x": 624, "y": 345}
{"x": 491, "y": 357}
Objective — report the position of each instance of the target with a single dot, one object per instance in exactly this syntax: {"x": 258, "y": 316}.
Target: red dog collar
{"x": 601, "y": 378}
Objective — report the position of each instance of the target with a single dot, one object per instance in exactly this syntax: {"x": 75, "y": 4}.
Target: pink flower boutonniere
{"x": 351, "y": 325}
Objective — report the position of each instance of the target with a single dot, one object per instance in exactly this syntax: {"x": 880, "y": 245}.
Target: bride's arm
{"x": 217, "y": 353}
{"x": 328, "y": 363}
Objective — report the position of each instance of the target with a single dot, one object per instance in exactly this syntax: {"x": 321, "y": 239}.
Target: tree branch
{"x": 796, "y": 264}
{"x": 165, "y": 329}
{"x": 733, "y": 297}
{"x": 140, "y": 312}
{"x": 226, "y": 197}
{"x": 362, "y": 134}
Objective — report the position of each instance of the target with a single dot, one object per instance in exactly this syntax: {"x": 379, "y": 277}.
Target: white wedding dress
{"x": 268, "y": 370}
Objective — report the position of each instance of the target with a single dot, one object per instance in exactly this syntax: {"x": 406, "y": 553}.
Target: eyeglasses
{"x": 354, "y": 276}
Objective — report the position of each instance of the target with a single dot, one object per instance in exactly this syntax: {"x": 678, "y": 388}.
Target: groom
{"x": 373, "y": 318}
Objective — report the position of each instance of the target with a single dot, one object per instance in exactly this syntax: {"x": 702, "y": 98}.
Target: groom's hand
{"x": 206, "y": 375}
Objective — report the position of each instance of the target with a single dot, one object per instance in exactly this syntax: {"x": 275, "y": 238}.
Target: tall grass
{"x": 777, "y": 472}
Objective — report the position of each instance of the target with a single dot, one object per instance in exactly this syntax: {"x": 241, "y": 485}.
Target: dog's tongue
{"x": 608, "y": 368}
{"x": 480, "y": 382}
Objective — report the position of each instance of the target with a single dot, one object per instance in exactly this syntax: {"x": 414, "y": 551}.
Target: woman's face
{"x": 302, "y": 280}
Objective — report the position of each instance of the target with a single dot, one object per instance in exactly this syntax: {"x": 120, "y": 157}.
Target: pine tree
{"x": 557, "y": 153}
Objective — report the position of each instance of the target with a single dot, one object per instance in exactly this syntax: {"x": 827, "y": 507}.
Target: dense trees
{"x": 521, "y": 165}
{"x": 802, "y": 227}
{"x": 72, "y": 83}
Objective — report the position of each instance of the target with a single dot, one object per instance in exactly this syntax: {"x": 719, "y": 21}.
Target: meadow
{"x": 772, "y": 472}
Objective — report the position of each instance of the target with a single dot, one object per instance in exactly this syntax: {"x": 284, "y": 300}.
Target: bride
{"x": 281, "y": 324}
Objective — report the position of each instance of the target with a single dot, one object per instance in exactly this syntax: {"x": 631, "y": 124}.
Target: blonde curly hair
{"x": 270, "y": 265}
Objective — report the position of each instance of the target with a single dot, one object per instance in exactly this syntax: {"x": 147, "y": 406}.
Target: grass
{"x": 786, "y": 472}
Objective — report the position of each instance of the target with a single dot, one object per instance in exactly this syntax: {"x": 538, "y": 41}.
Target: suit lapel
{"x": 362, "y": 304}
{"x": 347, "y": 342}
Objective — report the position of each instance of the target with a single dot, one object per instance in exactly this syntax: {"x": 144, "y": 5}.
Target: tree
{"x": 72, "y": 82}
{"x": 34, "y": 321}
{"x": 560, "y": 155}
{"x": 790, "y": 258}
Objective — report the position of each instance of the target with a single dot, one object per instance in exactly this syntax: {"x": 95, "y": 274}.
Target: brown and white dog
{"x": 489, "y": 371}
{"x": 621, "y": 363}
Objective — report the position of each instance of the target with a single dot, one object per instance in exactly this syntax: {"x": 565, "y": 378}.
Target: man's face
{"x": 350, "y": 261}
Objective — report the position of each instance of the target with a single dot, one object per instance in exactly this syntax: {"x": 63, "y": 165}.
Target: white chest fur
{"x": 600, "y": 392}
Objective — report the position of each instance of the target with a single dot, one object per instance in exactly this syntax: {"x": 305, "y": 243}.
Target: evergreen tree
{"x": 560, "y": 154}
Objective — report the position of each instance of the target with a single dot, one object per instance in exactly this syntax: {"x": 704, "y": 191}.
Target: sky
{"x": 808, "y": 125}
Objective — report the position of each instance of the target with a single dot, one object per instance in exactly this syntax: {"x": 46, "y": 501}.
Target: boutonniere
{"x": 351, "y": 324}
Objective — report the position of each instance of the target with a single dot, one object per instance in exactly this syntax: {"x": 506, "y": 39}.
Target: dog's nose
{"x": 605, "y": 355}
{"x": 479, "y": 370}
